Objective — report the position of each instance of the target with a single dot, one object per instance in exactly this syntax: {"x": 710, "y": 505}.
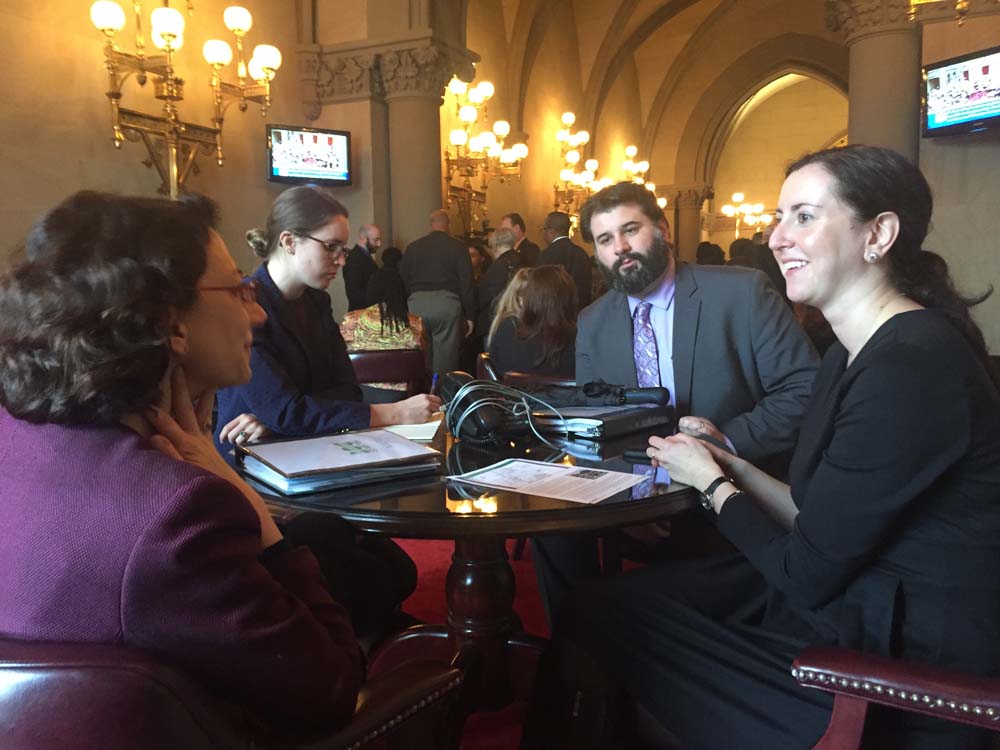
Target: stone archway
{"x": 703, "y": 136}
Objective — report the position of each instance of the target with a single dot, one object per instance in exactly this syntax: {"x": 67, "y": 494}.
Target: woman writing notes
{"x": 887, "y": 540}
{"x": 123, "y": 525}
{"x": 303, "y": 383}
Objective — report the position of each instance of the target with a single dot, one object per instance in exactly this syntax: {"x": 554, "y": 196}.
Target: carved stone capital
{"x": 687, "y": 196}
{"x": 309, "y": 60}
{"x": 350, "y": 76}
{"x": 416, "y": 71}
{"x": 859, "y": 18}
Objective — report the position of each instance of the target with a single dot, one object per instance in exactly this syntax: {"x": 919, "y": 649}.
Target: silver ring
{"x": 243, "y": 434}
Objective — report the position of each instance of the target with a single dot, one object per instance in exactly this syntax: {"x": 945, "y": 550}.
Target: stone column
{"x": 884, "y": 78}
{"x": 687, "y": 202}
{"x": 414, "y": 87}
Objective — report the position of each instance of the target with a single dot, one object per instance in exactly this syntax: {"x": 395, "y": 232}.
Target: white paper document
{"x": 422, "y": 433}
{"x": 578, "y": 484}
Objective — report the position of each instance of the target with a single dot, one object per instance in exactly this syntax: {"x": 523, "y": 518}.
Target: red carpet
{"x": 499, "y": 730}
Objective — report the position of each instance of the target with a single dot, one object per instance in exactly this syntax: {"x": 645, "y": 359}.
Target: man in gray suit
{"x": 738, "y": 366}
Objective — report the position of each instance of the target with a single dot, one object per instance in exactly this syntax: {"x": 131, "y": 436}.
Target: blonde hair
{"x": 509, "y": 303}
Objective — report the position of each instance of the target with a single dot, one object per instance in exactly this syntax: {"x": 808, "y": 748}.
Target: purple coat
{"x": 106, "y": 540}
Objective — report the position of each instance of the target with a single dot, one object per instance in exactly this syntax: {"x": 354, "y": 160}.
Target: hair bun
{"x": 257, "y": 239}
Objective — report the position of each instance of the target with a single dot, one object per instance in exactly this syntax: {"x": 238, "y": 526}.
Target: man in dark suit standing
{"x": 562, "y": 251}
{"x": 361, "y": 265}
{"x": 720, "y": 339}
{"x": 527, "y": 249}
{"x": 438, "y": 277}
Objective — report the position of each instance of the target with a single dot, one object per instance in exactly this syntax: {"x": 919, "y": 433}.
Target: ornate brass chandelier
{"x": 171, "y": 143}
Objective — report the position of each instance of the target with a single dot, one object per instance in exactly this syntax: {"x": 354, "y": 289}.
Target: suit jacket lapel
{"x": 617, "y": 344}
{"x": 687, "y": 309}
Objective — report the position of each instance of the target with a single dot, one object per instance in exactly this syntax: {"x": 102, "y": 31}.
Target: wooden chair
{"x": 92, "y": 697}
{"x": 858, "y": 680}
{"x": 393, "y": 365}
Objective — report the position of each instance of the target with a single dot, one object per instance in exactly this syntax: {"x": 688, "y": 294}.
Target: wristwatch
{"x": 706, "y": 496}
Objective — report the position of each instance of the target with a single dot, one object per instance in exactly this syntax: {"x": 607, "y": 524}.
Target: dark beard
{"x": 648, "y": 268}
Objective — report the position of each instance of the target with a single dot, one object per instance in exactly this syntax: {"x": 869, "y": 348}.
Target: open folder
{"x": 331, "y": 461}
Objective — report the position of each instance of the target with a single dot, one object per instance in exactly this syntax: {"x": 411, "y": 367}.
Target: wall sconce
{"x": 484, "y": 155}
{"x": 751, "y": 215}
{"x": 575, "y": 187}
{"x": 178, "y": 141}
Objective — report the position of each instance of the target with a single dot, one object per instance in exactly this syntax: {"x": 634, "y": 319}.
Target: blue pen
{"x": 434, "y": 383}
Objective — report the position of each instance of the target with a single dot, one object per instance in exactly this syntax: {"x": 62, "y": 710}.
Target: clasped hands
{"x": 689, "y": 456}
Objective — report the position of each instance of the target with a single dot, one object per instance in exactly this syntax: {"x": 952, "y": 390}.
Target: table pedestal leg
{"x": 480, "y": 593}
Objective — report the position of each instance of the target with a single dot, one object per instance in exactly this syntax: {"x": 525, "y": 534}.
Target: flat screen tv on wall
{"x": 299, "y": 155}
{"x": 962, "y": 94}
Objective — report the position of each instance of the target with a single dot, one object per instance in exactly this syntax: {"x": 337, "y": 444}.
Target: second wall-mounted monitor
{"x": 962, "y": 94}
{"x": 299, "y": 156}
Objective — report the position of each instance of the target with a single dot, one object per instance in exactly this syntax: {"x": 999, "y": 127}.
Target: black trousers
{"x": 369, "y": 575}
{"x": 695, "y": 655}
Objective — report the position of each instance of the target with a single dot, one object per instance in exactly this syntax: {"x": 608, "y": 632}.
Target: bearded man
{"x": 738, "y": 366}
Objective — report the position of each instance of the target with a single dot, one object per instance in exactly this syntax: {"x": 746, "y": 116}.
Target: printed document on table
{"x": 578, "y": 484}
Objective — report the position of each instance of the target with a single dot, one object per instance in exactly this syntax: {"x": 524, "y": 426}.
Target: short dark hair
{"x": 392, "y": 257}
{"x": 85, "y": 320}
{"x": 616, "y": 195}
{"x": 557, "y": 221}
{"x": 516, "y": 220}
{"x": 709, "y": 254}
{"x": 300, "y": 210}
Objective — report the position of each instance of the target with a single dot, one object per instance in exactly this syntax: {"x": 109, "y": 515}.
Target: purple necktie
{"x": 647, "y": 360}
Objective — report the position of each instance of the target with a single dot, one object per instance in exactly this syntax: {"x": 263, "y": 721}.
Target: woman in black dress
{"x": 541, "y": 337}
{"x": 886, "y": 541}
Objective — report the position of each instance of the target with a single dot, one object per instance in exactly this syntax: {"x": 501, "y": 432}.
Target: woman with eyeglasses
{"x": 123, "y": 525}
{"x": 303, "y": 383}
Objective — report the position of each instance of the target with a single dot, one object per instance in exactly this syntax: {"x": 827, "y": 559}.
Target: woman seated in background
{"x": 303, "y": 383}
{"x": 385, "y": 325}
{"x": 124, "y": 525}
{"x": 886, "y": 541}
{"x": 540, "y": 337}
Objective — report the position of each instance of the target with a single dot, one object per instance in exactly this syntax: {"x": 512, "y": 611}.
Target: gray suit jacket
{"x": 740, "y": 358}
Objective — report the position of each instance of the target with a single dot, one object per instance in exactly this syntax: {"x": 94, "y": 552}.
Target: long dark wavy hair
{"x": 871, "y": 180}
{"x": 85, "y": 320}
{"x": 387, "y": 290}
{"x": 548, "y": 312}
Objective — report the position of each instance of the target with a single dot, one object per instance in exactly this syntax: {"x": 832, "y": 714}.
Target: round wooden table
{"x": 479, "y": 587}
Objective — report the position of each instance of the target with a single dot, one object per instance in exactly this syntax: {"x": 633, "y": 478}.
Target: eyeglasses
{"x": 332, "y": 246}
{"x": 246, "y": 290}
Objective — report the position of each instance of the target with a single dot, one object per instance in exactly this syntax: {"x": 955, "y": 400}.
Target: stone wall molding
{"x": 379, "y": 70}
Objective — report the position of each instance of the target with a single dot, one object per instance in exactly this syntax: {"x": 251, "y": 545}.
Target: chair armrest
{"x": 942, "y": 693}
{"x": 522, "y": 379}
{"x": 414, "y": 690}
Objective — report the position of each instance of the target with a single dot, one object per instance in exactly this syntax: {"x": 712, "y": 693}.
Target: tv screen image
{"x": 301, "y": 155}
{"x": 962, "y": 95}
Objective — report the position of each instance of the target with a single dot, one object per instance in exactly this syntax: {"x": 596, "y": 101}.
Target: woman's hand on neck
{"x": 202, "y": 400}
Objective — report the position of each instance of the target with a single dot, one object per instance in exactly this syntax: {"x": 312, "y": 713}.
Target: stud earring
{"x": 872, "y": 257}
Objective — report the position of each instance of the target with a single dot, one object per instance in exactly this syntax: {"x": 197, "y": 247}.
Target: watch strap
{"x": 706, "y": 496}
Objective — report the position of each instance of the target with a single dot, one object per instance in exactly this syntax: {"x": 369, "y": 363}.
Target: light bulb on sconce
{"x": 173, "y": 145}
